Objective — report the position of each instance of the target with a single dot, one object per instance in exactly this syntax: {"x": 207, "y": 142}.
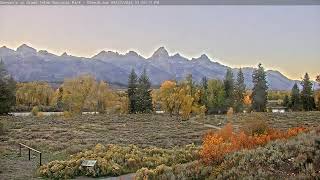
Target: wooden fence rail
{"x": 30, "y": 149}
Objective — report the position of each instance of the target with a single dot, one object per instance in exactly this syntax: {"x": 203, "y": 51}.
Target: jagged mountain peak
{"x": 5, "y": 51}
{"x": 26, "y": 50}
{"x": 177, "y": 55}
{"x": 46, "y": 53}
{"x": 204, "y": 57}
{"x": 103, "y": 52}
{"x": 5, "y": 48}
{"x": 160, "y": 52}
{"x": 132, "y": 53}
{"x": 43, "y": 52}
{"x": 24, "y": 46}
{"x": 65, "y": 54}
{"x": 106, "y": 54}
{"x": 111, "y": 53}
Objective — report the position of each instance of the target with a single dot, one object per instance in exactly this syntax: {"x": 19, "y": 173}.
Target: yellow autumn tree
{"x": 155, "y": 94}
{"x": 100, "y": 98}
{"x": 196, "y": 107}
{"x": 34, "y": 94}
{"x": 84, "y": 92}
{"x": 178, "y": 99}
{"x": 168, "y": 96}
{"x": 57, "y": 98}
{"x": 184, "y": 103}
{"x": 76, "y": 92}
{"x": 122, "y": 103}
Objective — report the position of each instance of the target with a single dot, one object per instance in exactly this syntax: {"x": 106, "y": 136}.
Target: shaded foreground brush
{"x": 294, "y": 158}
{"x": 114, "y": 160}
{"x": 158, "y": 163}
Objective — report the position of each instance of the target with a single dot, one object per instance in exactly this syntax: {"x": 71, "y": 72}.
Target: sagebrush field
{"x": 58, "y": 137}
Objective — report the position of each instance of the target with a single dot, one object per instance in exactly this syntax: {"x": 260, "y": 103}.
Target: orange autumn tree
{"x": 247, "y": 100}
{"x": 217, "y": 144}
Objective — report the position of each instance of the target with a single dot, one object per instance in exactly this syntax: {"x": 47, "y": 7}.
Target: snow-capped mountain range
{"x": 28, "y": 64}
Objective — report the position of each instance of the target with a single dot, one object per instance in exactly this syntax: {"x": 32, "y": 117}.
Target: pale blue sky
{"x": 285, "y": 38}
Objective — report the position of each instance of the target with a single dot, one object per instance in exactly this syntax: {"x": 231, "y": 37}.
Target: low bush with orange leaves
{"x": 217, "y": 144}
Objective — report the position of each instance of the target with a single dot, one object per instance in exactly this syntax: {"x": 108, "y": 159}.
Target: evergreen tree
{"x": 204, "y": 82}
{"x": 286, "y": 101}
{"x": 204, "y": 91}
{"x": 191, "y": 84}
{"x": 295, "y": 103}
{"x": 240, "y": 90}
{"x": 132, "y": 92}
{"x": 229, "y": 88}
{"x": 216, "y": 97}
{"x": 7, "y": 90}
{"x": 144, "y": 99}
{"x": 307, "y": 98}
{"x": 259, "y": 91}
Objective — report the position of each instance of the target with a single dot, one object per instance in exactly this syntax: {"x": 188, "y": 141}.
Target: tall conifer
{"x": 239, "y": 93}
{"x": 7, "y": 90}
{"x": 259, "y": 91}
{"x": 132, "y": 91}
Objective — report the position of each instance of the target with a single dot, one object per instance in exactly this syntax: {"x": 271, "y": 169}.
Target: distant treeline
{"x": 183, "y": 98}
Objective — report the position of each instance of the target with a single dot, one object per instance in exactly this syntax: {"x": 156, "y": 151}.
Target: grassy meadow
{"x": 58, "y": 137}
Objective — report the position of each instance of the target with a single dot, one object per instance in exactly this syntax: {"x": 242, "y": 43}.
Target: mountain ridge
{"x": 115, "y": 67}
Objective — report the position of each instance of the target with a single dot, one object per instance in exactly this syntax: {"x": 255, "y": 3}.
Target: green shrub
{"x": 255, "y": 124}
{"x": 191, "y": 170}
{"x": 114, "y": 160}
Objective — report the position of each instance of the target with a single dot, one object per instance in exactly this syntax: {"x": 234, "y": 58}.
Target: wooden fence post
{"x": 40, "y": 158}
{"x": 20, "y": 150}
{"x": 29, "y": 152}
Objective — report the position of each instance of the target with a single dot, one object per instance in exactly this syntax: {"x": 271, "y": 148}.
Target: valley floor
{"x": 58, "y": 137}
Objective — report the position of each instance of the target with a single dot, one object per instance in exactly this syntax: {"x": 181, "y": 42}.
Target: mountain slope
{"x": 28, "y": 64}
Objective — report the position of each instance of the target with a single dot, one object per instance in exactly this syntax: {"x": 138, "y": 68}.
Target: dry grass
{"x": 58, "y": 137}
{"x": 276, "y": 120}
